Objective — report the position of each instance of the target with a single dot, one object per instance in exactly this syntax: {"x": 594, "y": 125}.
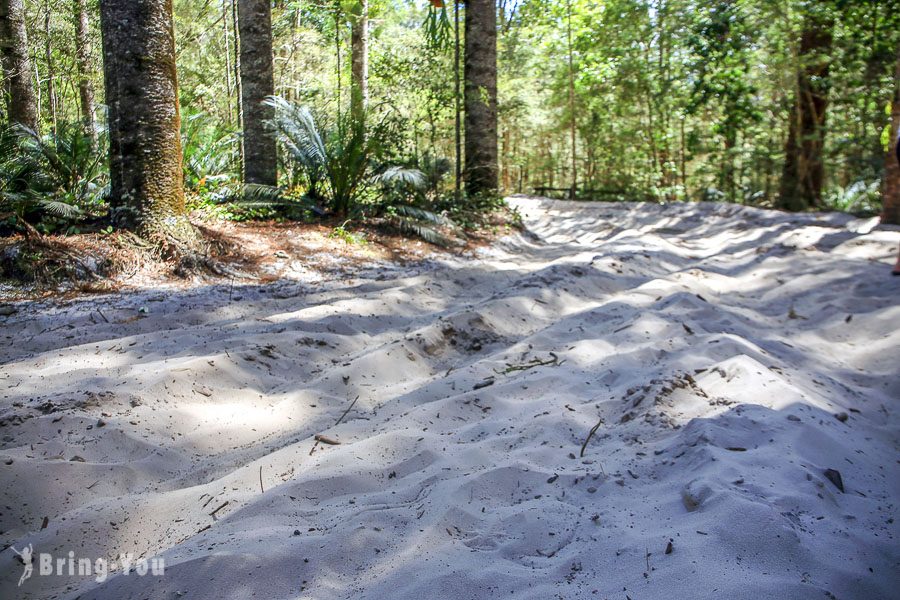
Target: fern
{"x": 392, "y": 175}
{"x": 208, "y": 148}
{"x": 417, "y": 228}
{"x": 60, "y": 209}
{"x": 255, "y": 195}
{"x": 338, "y": 160}
{"x": 60, "y": 176}
{"x": 424, "y": 215}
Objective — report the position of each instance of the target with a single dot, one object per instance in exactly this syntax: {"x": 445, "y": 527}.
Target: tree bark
{"x": 257, "y": 83}
{"x": 359, "y": 59}
{"x": 83, "y": 62}
{"x": 146, "y": 180}
{"x": 574, "y": 123}
{"x": 48, "y": 54}
{"x": 891, "y": 188}
{"x": 480, "y": 74}
{"x": 236, "y": 75}
{"x": 804, "y": 170}
{"x": 17, "y": 71}
{"x": 457, "y": 108}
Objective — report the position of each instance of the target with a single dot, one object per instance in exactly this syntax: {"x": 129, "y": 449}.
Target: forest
{"x": 414, "y": 299}
{"x": 361, "y": 108}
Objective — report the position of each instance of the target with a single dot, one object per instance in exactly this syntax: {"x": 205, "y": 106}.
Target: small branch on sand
{"x": 326, "y": 440}
{"x": 483, "y": 384}
{"x": 341, "y": 418}
{"x": 554, "y": 360}
{"x": 223, "y": 505}
{"x": 590, "y": 435}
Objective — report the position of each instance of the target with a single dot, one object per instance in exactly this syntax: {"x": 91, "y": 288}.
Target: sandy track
{"x": 716, "y": 343}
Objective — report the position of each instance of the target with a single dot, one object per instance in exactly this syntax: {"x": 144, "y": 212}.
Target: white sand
{"x": 715, "y": 342}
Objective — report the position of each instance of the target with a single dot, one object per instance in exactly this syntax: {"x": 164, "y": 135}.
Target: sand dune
{"x": 730, "y": 356}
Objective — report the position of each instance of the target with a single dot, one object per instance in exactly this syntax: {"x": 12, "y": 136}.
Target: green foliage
{"x": 861, "y": 197}
{"x": 339, "y": 162}
{"x": 421, "y": 223}
{"x": 68, "y": 165}
{"x": 209, "y": 151}
{"x": 674, "y": 100}
{"x": 16, "y": 193}
{"x": 437, "y": 28}
{"x": 342, "y": 233}
{"x": 678, "y": 97}
{"x": 52, "y": 180}
{"x": 243, "y": 202}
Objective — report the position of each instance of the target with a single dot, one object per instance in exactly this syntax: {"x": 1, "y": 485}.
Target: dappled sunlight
{"x": 508, "y": 407}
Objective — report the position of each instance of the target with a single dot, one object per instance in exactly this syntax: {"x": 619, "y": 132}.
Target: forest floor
{"x": 241, "y": 253}
{"x": 621, "y": 401}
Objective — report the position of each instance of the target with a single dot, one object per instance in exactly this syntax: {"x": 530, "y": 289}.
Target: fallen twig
{"x": 223, "y": 505}
{"x": 484, "y": 384}
{"x": 554, "y": 360}
{"x": 326, "y": 440}
{"x": 338, "y": 422}
{"x": 590, "y": 435}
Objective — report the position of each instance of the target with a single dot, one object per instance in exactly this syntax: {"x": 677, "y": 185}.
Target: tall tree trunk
{"x": 457, "y": 108}
{"x": 359, "y": 59}
{"x": 48, "y": 56}
{"x": 83, "y": 60}
{"x": 480, "y": 75}
{"x": 574, "y": 122}
{"x": 891, "y": 189}
{"x": 228, "y": 70}
{"x": 257, "y": 82}
{"x": 17, "y": 71}
{"x": 146, "y": 180}
{"x": 338, "y": 17}
{"x": 804, "y": 170}
{"x": 236, "y": 75}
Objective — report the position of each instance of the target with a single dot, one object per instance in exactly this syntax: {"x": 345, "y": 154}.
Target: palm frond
{"x": 256, "y": 195}
{"x": 423, "y": 215}
{"x": 411, "y": 177}
{"x": 417, "y": 228}
{"x": 59, "y": 208}
{"x": 252, "y": 192}
{"x": 297, "y": 130}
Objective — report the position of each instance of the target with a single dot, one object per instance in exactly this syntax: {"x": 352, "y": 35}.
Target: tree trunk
{"x": 236, "y": 75}
{"x": 891, "y": 189}
{"x": 48, "y": 54}
{"x": 804, "y": 171}
{"x": 226, "y": 35}
{"x": 573, "y": 125}
{"x": 359, "y": 59}
{"x": 83, "y": 61}
{"x": 146, "y": 180}
{"x": 480, "y": 74}
{"x": 17, "y": 71}
{"x": 457, "y": 108}
{"x": 257, "y": 83}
